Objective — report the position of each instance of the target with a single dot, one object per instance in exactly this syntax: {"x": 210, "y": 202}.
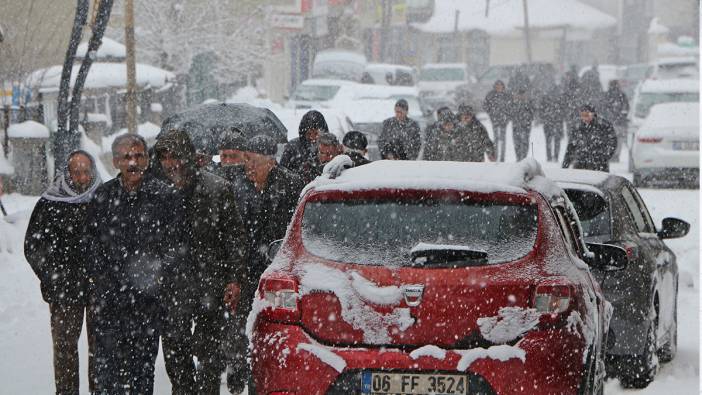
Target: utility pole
{"x": 131, "y": 67}
{"x": 386, "y": 6}
{"x": 527, "y": 37}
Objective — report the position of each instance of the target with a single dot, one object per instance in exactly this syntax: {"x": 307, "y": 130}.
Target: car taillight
{"x": 650, "y": 140}
{"x": 281, "y": 296}
{"x": 552, "y": 299}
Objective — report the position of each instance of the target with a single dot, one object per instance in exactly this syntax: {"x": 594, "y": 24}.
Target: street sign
{"x": 288, "y": 21}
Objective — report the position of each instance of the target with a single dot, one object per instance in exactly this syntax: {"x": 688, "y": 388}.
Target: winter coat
{"x": 54, "y": 248}
{"x": 497, "y": 105}
{"x": 523, "y": 113}
{"x": 216, "y": 237}
{"x": 465, "y": 143}
{"x": 301, "y": 157}
{"x": 402, "y": 137}
{"x": 477, "y": 142}
{"x": 357, "y": 158}
{"x": 130, "y": 245}
{"x": 591, "y": 146}
{"x": 616, "y": 107}
{"x": 552, "y": 109}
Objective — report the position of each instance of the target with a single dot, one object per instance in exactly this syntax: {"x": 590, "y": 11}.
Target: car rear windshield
{"x": 315, "y": 92}
{"x": 385, "y": 232}
{"x": 648, "y": 100}
{"x": 593, "y": 212}
{"x": 442, "y": 74}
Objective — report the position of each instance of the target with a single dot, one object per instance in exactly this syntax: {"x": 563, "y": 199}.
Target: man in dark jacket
{"x": 356, "y": 147}
{"x": 443, "y": 143}
{"x": 300, "y": 154}
{"x": 54, "y": 248}
{"x": 552, "y": 112}
{"x": 475, "y": 140}
{"x": 402, "y": 133}
{"x": 617, "y": 111}
{"x": 213, "y": 255}
{"x": 522, "y": 116}
{"x": 593, "y": 142}
{"x": 498, "y": 104}
{"x": 129, "y": 244}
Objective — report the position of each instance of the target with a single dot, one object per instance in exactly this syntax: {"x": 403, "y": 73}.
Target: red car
{"x": 404, "y": 277}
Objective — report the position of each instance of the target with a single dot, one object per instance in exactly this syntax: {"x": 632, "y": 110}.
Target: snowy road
{"x": 25, "y": 342}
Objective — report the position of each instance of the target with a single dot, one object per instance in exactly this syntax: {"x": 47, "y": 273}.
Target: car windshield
{"x": 648, "y": 100}
{"x": 385, "y": 232}
{"x": 442, "y": 74}
{"x": 315, "y": 92}
{"x": 593, "y": 213}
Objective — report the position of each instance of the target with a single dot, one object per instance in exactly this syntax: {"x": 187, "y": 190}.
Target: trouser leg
{"x": 548, "y": 133}
{"x": 66, "y": 324}
{"x": 90, "y": 328}
{"x": 142, "y": 361}
{"x": 107, "y": 360}
{"x": 210, "y": 329}
{"x": 177, "y": 352}
{"x": 520, "y": 136}
{"x": 237, "y": 352}
{"x": 501, "y": 141}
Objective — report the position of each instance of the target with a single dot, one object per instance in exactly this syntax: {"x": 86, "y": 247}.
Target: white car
{"x": 401, "y": 75}
{"x": 652, "y": 92}
{"x": 339, "y": 64}
{"x": 677, "y": 67}
{"x": 315, "y": 93}
{"x": 438, "y": 81}
{"x": 667, "y": 146}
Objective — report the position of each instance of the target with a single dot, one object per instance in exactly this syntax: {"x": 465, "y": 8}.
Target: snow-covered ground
{"x": 25, "y": 340}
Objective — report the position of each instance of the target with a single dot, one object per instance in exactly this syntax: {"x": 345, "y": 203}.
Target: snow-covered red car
{"x": 432, "y": 278}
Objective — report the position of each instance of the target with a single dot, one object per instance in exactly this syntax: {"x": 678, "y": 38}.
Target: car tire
{"x": 668, "y": 350}
{"x": 643, "y": 368}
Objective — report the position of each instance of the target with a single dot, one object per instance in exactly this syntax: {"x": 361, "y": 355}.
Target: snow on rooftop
{"x": 108, "y": 49}
{"x": 507, "y": 19}
{"x": 428, "y": 175}
{"x": 670, "y": 85}
{"x": 28, "y": 130}
{"x": 101, "y": 75}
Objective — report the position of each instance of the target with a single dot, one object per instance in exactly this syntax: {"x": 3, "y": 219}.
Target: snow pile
{"x": 354, "y": 292}
{"x": 101, "y": 76}
{"x": 509, "y": 324}
{"x": 324, "y": 354}
{"x": 108, "y": 49}
{"x": 429, "y": 351}
{"x": 501, "y": 353}
{"x": 28, "y": 130}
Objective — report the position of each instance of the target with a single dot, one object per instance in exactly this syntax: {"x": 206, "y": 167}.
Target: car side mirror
{"x": 273, "y": 248}
{"x": 673, "y": 228}
{"x": 607, "y": 257}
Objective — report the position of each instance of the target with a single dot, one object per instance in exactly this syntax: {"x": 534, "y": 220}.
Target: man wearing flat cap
{"x": 208, "y": 271}
{"x": 400, "y": 134}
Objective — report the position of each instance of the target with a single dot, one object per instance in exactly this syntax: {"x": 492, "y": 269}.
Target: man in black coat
{"x": 475, "y": 139}
{"x": 498, "y": 106}
{"x": 592, "y": 144}
{"x": 523, "y": 112}
{"x": 54, "y": 248}
{"x": 552, "y": 112}
{"x": 213, "y": 250}
{"x": 128, "y": 246}
{"x": 617, "y": 112}
{"x": 400, "y": 135}
{"x": 300, "y": 154}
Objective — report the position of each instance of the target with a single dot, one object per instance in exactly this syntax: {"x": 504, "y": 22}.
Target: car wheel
{"x": 668, "y": 350}
{"x": 643, "y": 368}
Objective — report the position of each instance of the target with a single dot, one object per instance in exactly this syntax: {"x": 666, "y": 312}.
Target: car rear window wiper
{"x": 446, "y": 256}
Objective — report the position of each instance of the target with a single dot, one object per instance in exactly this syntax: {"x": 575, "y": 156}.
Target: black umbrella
{"x": 206, "y": 122}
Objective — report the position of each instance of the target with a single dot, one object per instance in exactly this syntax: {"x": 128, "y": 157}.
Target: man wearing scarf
{"x": 54, "y": 248}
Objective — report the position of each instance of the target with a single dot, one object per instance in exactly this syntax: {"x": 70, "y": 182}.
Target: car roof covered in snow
{"x": 428, "y": 175}
{"x": 668, "y": 115}
{"x": 671, "y": 85}
{"x": 327, "y": 81}
{"x": 575, "y": 176}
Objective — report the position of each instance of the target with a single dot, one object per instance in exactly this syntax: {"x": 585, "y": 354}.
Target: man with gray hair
{"x": 129, "y": 234}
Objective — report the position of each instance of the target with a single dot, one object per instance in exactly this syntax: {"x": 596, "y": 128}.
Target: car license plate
{"x": 379, "y": 383}
{"x": 686, "y": 145}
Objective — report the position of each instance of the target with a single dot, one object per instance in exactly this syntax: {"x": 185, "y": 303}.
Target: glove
{"x": 336, "y": 166}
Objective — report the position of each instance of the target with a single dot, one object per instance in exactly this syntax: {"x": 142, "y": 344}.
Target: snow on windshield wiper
{"x": 447, "y": 254}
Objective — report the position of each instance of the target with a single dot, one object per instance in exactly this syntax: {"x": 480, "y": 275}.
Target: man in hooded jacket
{"x": 129, "y": 242}
{"x": 212, "y": 259}
{"x": 497, "y": 104}
{"x": 54, "y": 248}
{"x": 300, "y": 154}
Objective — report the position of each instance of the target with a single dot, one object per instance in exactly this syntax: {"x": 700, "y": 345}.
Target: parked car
{"x": 643, "y": 329}
{"x": 541, "y": 77}
{"x": 391, "y": 74}
{"x": 666, "y": 148}
{"x": 421, "y": 277}
{"x": 652, "y": 92}
{"x": 339, "y": 64}
{"x": 438, "y": 82}
{"x": 675, "y": 68}
{"x": 315, "y": 93}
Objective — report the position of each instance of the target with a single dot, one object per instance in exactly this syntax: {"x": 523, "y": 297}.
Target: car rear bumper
{"x": 552, "y": 363}
{"x": 650, "y": 156}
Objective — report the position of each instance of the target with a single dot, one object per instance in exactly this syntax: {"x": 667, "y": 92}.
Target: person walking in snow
{"x": 522, "y": 116}
{"x": 475, "y": 140}
{"x": 211, "y": 260}
{"x": 129, "y": 242}
{"x": 552, "y": 113}
{"x": 400, "y": 135}
{"x": 497, "y": 104}
{"x": 592, "y": 144}
{"x": 617, "y": 112}
{"x": 54, "y": 248}
{"x": 300, "y": 154}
